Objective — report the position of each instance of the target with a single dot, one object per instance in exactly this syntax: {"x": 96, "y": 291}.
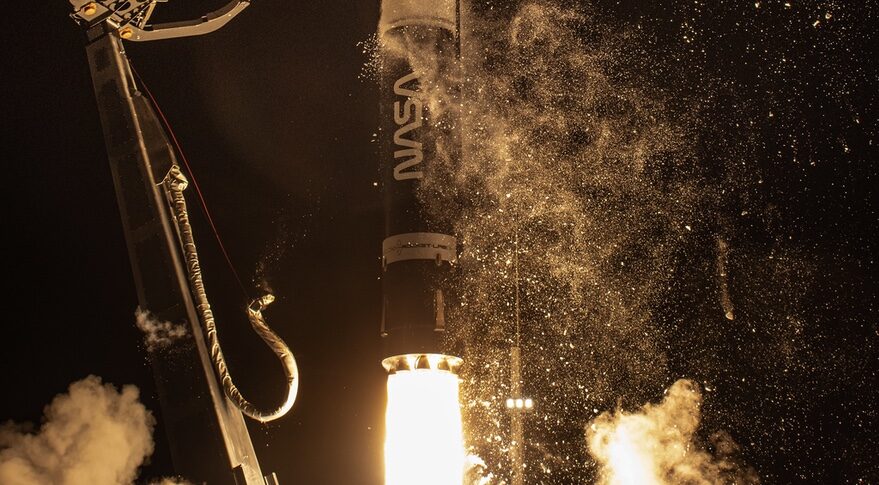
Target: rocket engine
{"x": 419, "y": 53}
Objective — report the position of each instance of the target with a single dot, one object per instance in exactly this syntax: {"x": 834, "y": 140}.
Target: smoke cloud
{"x": 92, "y": 435}
{"x": 157, "y": 334}
{"x": 476, "y": 472}
{"x": 657, "y": 445}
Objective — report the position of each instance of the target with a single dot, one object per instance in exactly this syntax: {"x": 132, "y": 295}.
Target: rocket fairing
{"x": 417, "y": 253}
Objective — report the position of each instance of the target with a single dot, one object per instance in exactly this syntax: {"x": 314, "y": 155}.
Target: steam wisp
{"x": 157, "y": 334}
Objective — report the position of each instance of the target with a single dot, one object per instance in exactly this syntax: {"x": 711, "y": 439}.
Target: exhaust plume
{"x": 423, "y": 437}
{"x": 657, "y": 445}
{"x": 92, "y": 435}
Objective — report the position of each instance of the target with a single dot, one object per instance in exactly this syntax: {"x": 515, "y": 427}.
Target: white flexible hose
{"x": 176, "y": 183}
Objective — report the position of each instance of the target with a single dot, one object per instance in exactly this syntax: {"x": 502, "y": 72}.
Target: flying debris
{"x": 723, "y": 278}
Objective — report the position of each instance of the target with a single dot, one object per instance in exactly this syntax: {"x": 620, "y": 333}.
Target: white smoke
{"x": 656, "y": 445}
{"x": 157, "y": 334}
{"x": 476, "y": 472}
{"x": 93, "y": 435}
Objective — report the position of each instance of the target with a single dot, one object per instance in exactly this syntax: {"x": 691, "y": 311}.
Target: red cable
{"x": 194, "y": 181}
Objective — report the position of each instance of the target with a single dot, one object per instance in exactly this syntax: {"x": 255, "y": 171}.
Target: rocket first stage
{"x": 417, "y": 253}
{"x": 423, "y": 430}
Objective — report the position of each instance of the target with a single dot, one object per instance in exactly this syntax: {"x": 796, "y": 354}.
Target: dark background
{"x": 277, "y": 123}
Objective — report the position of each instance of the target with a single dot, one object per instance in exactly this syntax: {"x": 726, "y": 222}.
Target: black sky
{"x": 277, "y": 122}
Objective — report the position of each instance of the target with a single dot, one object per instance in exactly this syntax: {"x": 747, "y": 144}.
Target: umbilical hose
{"x": 175, "y": 183}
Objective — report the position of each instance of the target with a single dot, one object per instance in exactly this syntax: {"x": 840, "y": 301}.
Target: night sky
{"x": 277, "y": 115}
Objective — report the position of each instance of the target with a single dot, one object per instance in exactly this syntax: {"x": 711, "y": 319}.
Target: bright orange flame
{"x": 424, "y": 442}
{"x": 630, "y": 460}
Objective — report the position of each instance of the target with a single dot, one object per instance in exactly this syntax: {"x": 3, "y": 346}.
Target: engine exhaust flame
{"x": 424, "y": 438}
{"x": 658, "y": 445}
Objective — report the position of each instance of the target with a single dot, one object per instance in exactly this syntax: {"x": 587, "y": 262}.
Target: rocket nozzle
{"x": 407, "y": 362}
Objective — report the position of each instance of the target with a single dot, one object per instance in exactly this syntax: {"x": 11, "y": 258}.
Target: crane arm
{"x": 130, "y": 18}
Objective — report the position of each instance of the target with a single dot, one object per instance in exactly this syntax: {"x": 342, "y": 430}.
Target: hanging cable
{"x": 516, "y": 268}
{"x": 175, "y": 183}
{"x": 201, "y": 199}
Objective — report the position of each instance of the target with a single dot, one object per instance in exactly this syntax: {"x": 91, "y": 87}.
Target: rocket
{"x": 418, "y": 252}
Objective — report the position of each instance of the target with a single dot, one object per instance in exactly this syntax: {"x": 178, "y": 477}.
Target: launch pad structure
{"x": 202, "y": 423}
